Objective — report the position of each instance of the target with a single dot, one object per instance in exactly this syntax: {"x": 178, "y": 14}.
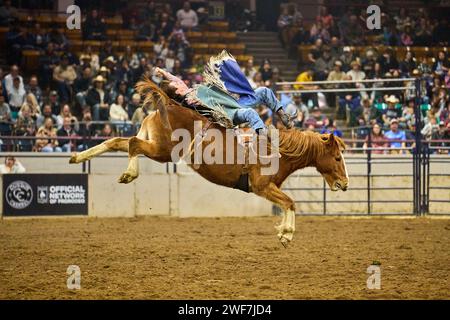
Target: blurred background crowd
{"x": 63, "y": 90}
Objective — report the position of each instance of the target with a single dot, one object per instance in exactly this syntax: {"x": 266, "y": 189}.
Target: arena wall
{"x": 161, "y": 191}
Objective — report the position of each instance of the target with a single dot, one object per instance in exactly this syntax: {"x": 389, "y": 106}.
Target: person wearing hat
{"x": 324, "y": 64}
{"x": 98, "y": 99}
{"x": 82, "y": 84}
{"x": 64, "y": 75}
{"x": 397, "y": 137}
{"x": 391, "y": 112}
{"x": 347, "y": 57}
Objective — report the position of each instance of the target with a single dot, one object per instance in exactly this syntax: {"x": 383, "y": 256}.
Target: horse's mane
{"x": 304, "y": 146}
{"x": 152, "y": 93}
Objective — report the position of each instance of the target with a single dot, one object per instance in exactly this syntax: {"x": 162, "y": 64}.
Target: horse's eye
{"x": 338, "y": 159}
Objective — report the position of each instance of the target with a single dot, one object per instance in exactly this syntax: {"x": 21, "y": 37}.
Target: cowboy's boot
{"x": 285, "y": 118}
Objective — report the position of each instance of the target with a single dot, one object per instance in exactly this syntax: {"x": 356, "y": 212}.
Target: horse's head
{"x": 331, "y": 163}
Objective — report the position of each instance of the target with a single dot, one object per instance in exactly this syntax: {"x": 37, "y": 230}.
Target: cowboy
{"x": 226, "y": 84}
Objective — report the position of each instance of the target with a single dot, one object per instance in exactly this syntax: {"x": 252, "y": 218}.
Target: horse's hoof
{"x": 126, "y": 178}
{"x": 73, "y": 158}
{"x": 284, "y": 242}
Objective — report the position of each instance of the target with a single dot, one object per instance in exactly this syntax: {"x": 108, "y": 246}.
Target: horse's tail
{"x": 154, "y": 98}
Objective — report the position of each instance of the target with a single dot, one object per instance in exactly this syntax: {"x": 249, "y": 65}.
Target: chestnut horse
{"x": 296, "y": 149}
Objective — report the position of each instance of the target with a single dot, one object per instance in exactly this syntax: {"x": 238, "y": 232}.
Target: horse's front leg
{"x": 272, "y": 193}
{"x": 114, "y": 144}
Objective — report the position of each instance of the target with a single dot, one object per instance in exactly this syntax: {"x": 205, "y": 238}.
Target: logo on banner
{"x": 19, "y": 194}
{"x": 42, "y": 195}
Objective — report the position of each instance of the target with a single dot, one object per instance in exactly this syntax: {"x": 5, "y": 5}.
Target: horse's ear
{"x": 329, "y": 139}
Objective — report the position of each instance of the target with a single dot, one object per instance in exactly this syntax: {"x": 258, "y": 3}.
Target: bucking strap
{"x": 243, "y": 183}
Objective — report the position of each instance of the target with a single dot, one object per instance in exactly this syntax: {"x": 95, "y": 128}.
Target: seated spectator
{"x": 54, "y": 102}
{"x": 47, "y": 63}
{"x": 408, "y": 64}
{"x": 33, "y": 87}
{"x": 430, "y": 128}
{"x": 81, "y": 86}
{"x": 12, "y": 165}
{"x": 331, "y": 127}
{"x": 47, "y": 135}
{"x": 443, "y": 133}
{"x": 9, "y": 79}
{"x": 58, "y": 38}
{"x": 69, "y": 132}
{"x": 307, "y": 76}
{"x": 352, "y": 33}
{"x": 98, "y": 99}
{"x": 318, "y": 31}
{"x": 5, "y": 117}
{"x": 396, "y": 136}
{"x": 25, "y": 126}
{"x": 16, "y": 97}
{"x": 187, "y": 17}
{"x": 284, "y": 22}
{"x": 297, "y": 105}
{"x": 441, "y": 66}
{"x": 66, "y": 113}
{"x": 117, "y": 112}
{"x": 406, "y": 38}
{"x": 347, "y": 57}
{"x": 314, "y": 53}
{"x": 88, "y": 56}
{"x": 106, "y": 133}
{"x": 324, "y": 64}
{"x": 376, "y": 140}
{"x": 87, "y": 130}
{"x": 370, "y": 113}
{"x": 146, "y": 31}
{"x": 392, "y": 111}
{"x": 94, "y": 27}
{"x": 31, "y": 102}
{"x": 317, "y": 118}
{"x": 8, "y": 13}
{"x": 266, "y": 70}
{"x": 64, "y": 75}
{"x": 181, "y": 48}
{"x": 388, "y": 61}
{"x": 46, "y": 113}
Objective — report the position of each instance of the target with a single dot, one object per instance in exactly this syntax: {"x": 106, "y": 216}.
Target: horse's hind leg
{"x": 114, "y": 144}
{"x": 287, "y": 227}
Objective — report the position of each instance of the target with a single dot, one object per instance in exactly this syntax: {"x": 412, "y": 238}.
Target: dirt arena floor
{"x": 227, "y": 258}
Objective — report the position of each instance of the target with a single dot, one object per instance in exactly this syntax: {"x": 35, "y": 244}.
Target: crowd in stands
{"x": 332, "y": 56}
{"x": 74, "y": 97}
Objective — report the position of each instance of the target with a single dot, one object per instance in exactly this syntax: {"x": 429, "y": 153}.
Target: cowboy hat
{"x": 338, "y": 63}
{"x": 98, "y": 78}
{"x": 110, "y": 59}
{"x": 354, "y": 63}
{"x": 392, "y": 99}
{"x": 104, "y": 69}
{"x": 394, "y": 121}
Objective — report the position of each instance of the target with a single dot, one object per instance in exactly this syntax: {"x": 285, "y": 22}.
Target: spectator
{"x": 12, "y": 165}
{"x": 32, "y": 103}
{"x": 16, "y": 97}
{"x": 9, "y": 79}
{"x": 443, "y": 133}
{"x": 65, "y": 113}
{"x": 266, "y": 70}
{"x": 33, "y": 87}
{"x": 26, "y": 127}
{"x": 94, "y": 27}
{"x": 347, "y": 58}
{"x": 8, "y": 13}
{"x": 391, "y": 112}
{"x": 47, "y": 63}
{"x": 441, "y": 66}
{"x": 377, "y": 140}
{"x": 324, "y": 64}
{"x": 430, "y": 128}
{"x": 133, "y": 105}
{"x": 305, "y": 77}
{"x": 284, "y": 22}
{"x": 187, "y": 17}
{"x": 317, "y": 118}
{"x": 46, "y": 113}
{"x": 98, "y": 99}
{"x": 47, "y": 141}
{"x": 5, "y": 117}
{"x": 81, "y": 86}
{"x": 64, "y": 75}
{"x": 352, "y": 33}
{"x": 117, "y": 112}
{"x": 331, "y": 127}
{"x": 67, "y": 131}
{"x": 297, "y": 105}
{"x": 88, "y": 56}
{"x": 396, "y": 136}
{"x": 106, "y": 133}
{"x": 299, "y": 120}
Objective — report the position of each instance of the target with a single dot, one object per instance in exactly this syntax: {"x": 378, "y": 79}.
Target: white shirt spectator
{"x": 9, "y": 83}
{"x": 188, "y": 19}
{"x": 16, "y": 97}
{"x": 11, "y": 166}
{"x": 117, "y": 113}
